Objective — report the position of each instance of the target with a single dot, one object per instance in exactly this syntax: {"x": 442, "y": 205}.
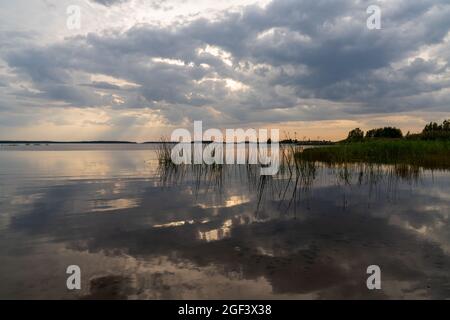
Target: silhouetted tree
{"x": 434, "y": 131}
{"x": 446, "y": 125}
{"x": 386, "y": 132}
{"x": 355, "y": 135}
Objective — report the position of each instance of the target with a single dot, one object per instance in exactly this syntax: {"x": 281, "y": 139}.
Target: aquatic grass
{"x": 294, "y": 183}
{"x": 163, "y": 152}
{"x": 427, "y": 154}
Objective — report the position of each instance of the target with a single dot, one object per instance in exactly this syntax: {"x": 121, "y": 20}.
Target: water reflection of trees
{"x": 295, "y": 180}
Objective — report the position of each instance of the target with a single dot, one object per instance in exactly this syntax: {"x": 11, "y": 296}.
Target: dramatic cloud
{"x": 108, "y": 2}
{"x": 262, "y": 63}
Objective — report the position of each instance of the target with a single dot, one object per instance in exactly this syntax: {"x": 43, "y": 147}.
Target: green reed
{"x": 426, "y": 154}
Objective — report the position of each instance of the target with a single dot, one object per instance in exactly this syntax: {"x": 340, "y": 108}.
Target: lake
{"x": 139, "y": 230}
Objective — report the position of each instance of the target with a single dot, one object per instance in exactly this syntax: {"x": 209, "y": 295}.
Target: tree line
{"x": 432, "y": 131}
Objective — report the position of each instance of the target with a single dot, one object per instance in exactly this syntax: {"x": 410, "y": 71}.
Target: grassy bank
{"x": 429, "y": 154}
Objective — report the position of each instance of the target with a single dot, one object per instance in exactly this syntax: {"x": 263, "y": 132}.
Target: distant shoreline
{"x": 64, "y": 142}
{"x": 25, "y": 142}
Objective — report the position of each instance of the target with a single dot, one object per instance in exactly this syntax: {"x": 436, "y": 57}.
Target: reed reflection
{"x": 295, "y": 180}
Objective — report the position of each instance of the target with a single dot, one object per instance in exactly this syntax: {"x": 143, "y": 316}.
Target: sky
{"x": 138, "y": 69}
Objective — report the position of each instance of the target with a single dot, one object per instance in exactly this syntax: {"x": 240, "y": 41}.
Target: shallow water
{"x": 138, "y": 230}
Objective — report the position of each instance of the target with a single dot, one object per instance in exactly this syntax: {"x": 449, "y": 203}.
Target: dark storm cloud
{"x": 102, "y": 85}
{"x": 155, "y": 4}
{"x": 108, "y": 2}
{"x": 284, "y": 55}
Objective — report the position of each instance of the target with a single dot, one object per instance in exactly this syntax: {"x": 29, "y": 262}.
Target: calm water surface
{"x": 141, "y": 231}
